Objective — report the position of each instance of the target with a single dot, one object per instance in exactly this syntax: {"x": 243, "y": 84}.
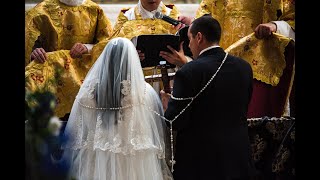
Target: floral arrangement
{"x": 42, "y": 139}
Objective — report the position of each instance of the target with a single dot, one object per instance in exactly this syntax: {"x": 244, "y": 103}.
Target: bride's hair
{"x": 114, "y": 71}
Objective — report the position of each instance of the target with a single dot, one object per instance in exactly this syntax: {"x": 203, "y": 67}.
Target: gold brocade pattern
{"x": 132, "y": 28}
{"x": 66, "y": 84}
{"x": 59, "y": 26}
{"x": 278, "y": 165}
{"x": 289, "y": 12}
{"x": 239, "y": 18}
{"x": 258, "y": 146}
{"x": 274, "y": 157}
{"x": 266, "y": 56}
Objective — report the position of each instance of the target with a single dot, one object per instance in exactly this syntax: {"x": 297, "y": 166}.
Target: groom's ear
{"x": 199, "y": 37}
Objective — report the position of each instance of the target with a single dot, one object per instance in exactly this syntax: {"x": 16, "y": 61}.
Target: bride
{"x": 113, "y": 132}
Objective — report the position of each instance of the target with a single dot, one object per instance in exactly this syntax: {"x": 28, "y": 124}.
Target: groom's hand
{"x": 164, "y": 99}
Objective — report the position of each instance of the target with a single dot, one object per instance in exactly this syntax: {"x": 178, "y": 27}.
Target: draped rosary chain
{"x": 172, "y": 161}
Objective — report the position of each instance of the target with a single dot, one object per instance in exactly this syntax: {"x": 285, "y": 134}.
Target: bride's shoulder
{"x": 150, "y": 89}
{"x": 86, "y": 94}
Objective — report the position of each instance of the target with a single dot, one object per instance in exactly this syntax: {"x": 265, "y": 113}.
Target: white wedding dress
{"x": 112, "y": 132}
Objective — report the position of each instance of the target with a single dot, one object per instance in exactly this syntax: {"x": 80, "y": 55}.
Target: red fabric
{"x": 270, "y": 100}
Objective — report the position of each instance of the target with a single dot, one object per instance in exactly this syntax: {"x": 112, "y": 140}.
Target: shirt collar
{"x": 208, "y": 48}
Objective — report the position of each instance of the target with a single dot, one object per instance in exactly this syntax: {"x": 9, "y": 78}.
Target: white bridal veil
{"x": 111, "y": 132}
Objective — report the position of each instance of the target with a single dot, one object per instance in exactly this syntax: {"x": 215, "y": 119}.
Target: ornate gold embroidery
{"x": 258, "y": 147}
{"x": 266, "y": 57}
{"x": 293, "y": 135}
{"x": 63, "y": 26}
{"x": 279, "y": 164}
{"x": 65, "y": 86}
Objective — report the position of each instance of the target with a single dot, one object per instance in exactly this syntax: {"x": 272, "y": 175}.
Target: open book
{"x": 151, "y": 45}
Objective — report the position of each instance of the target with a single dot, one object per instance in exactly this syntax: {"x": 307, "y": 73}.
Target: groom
{"x": 212, "y": 133}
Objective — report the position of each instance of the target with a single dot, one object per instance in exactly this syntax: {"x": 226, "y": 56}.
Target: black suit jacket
{"x": 212, "y": 134}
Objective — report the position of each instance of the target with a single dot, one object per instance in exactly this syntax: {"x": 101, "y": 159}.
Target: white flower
{"x": 54, "y": 125}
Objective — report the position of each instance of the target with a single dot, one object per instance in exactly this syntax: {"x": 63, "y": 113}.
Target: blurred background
{"x": 130, "y": 1}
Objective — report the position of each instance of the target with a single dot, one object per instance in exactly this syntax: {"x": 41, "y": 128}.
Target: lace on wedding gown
{"x": 116, "y": 141}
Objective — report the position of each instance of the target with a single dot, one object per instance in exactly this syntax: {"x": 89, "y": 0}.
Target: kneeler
{"x": 272, "y": 61}
{"x": 60, "y": 74}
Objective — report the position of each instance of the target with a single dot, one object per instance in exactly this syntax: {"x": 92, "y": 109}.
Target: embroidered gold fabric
{"x": 266, "y": 56}
{"x": 239, "y": 18}
{"x": 59, "y": 26}
{"x": 273, "y": 147}
{"x": 132, "y": 28}
{"x": 61, "y": 75}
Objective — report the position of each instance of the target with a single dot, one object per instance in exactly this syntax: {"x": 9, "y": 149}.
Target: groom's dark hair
{"x": 208, "y": 26}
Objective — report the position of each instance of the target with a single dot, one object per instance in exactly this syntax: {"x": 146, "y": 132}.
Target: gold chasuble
{"x": 56, "y": 27}
{"x": 266, "y": 57}
{"x": 138, "y": 26}
{"x": 239, "y": 18}
{"x": 272, "y": 65}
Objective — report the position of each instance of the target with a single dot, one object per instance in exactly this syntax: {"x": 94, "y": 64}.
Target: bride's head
{"x": 119, "y": 73}
{"x": 121, "y": 59}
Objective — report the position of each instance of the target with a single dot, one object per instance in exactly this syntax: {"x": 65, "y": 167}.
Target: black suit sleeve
{"x": 182, "y": 88}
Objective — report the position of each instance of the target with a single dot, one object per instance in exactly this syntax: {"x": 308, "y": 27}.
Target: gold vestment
{"x": 132, "y": 28}
{"x": 238, "y": 20}
{"x": 56, "y": 27}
